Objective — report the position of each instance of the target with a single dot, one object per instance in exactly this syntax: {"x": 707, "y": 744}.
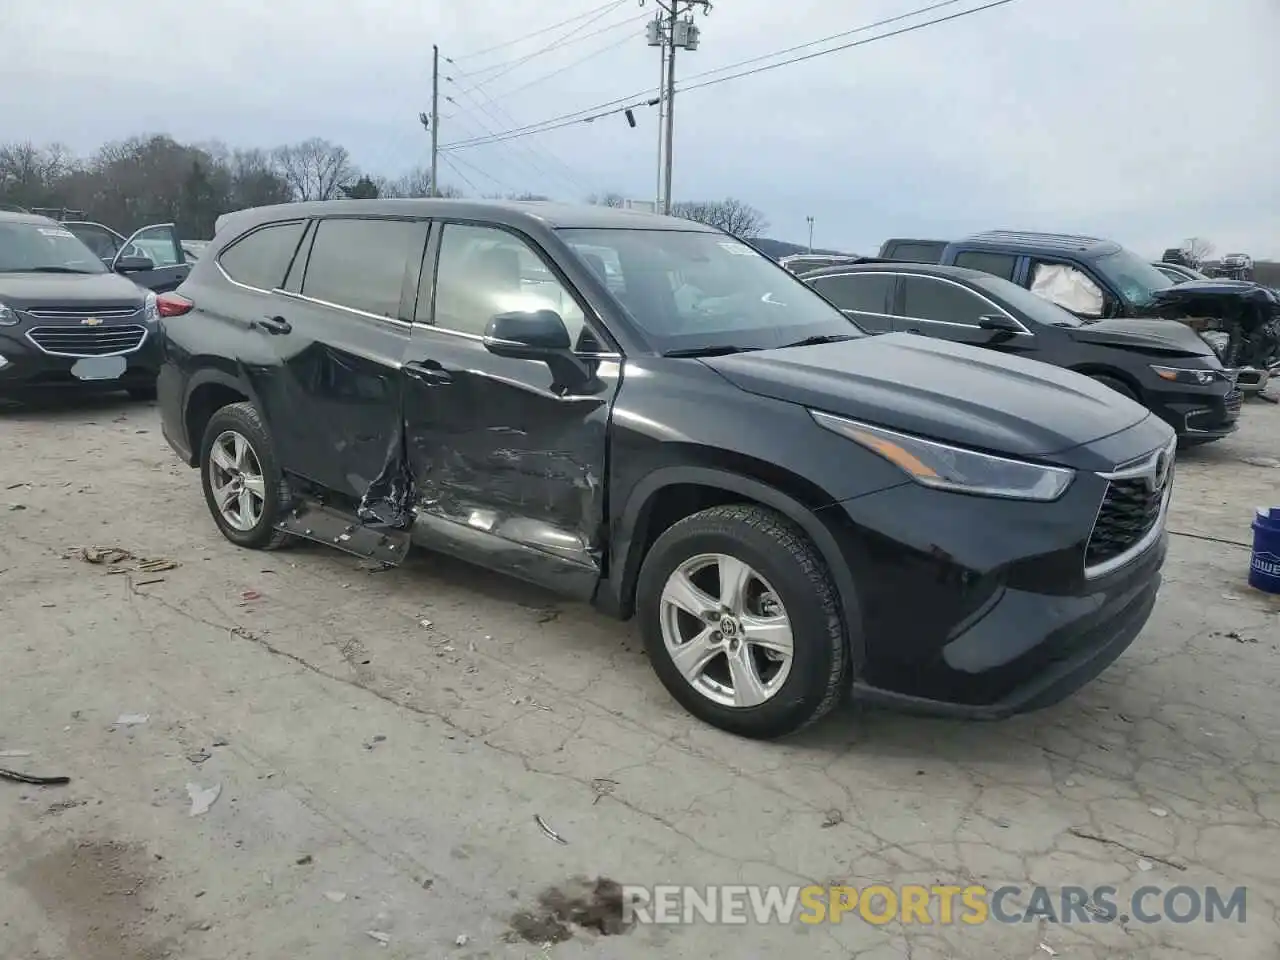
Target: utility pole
{"x": 662, "y": 112}
{"x": 810, "y": 219}
{"x": 435, "y": 119}
{"x": 667, "y": 36}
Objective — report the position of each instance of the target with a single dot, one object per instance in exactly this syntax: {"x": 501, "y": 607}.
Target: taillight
{"x": 173, "y": 305}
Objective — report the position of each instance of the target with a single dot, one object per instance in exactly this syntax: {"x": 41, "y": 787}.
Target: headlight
{"x": 7, "y": 317}
{"x": 150, "y": 312}
{"x": 954, "y": 468}
{"x": 1198, "y": 378}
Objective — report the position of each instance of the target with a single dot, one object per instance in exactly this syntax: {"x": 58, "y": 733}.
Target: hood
{"x": 1166, "y": 337}
{"x": 1213, "y": 298}
{"x": 24, "y": 291}
{"x": 946, "y": 391}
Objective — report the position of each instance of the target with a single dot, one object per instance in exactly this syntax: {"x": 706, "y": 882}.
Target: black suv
{"x": 649, "y": 414}
{"x": 66, "y": 320}
{"x": 1162, "y": 364}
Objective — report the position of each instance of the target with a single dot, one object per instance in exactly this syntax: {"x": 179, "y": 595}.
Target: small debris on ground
{"x": 1145, "y": 865}
{"x": 542, "y": 825}
{"x": 221, "y": 741}
{"x": 17, "y": 506}
{"x": 602, "y": 787}
{"x": 14, "y": 754}
{"x": 101, "y": 555}
{"x": 159, "y": 565}
{"x": 334, "y": 896}
{"x": 382, "y": 938}
{"x": 303, "y": 860}
{"x": 17, "y": 777}
{"x": 833, "y": 818}
{"x": 590, "y": 904}
{"x": 461, "y": 940}
{"x": 199, "y": 756}
{"x": 56, "y": 808}
{"x": 375, "y": 741}
{"x": 1160, "y": 811}
{"x": 248, "y": 596}
{"x": 202, "y": 798}
{"x": 425, "y": 624}
{"x": 132, "y": 719}
{"x": 144, "y": 583}
{"x": 1048, "y": 949}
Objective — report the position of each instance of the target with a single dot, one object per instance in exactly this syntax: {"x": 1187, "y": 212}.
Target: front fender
{"x": 626, "y": 550}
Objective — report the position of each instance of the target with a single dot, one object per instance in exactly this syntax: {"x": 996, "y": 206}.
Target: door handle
{"x": 426, "y": 374}
{"x": 273, "y": 325}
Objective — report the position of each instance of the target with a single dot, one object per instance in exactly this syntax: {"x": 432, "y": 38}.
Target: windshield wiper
{"x": 814, "y": 341}
{"x": 716, "y": 350}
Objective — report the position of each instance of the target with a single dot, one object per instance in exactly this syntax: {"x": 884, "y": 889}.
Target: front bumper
{"x": 1205, "y": 413}
{"x": 52, "y": 363}
{"x": 979, "y": 608}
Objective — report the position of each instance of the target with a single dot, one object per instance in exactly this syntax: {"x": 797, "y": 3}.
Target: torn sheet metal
{"x": 389, "y": 499}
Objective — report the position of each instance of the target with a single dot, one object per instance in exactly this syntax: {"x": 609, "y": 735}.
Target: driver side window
{"x": 483, "y": 271}
{"x": 157, "y": 245}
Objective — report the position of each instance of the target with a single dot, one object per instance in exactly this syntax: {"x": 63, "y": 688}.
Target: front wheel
{"x": 741, "y": 622}
{"x": 243, "y": 484}
{"x": 1119, "y": 386}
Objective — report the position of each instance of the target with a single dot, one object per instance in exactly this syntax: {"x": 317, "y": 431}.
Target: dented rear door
{"x": 508, "y": 466}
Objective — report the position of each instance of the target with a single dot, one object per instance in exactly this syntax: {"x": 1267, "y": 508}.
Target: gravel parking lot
{"x": 383, "y": 742}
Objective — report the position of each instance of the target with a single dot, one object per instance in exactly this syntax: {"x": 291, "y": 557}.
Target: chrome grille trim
{"x": 79, "y": 313}
{"x": 80, "y": 342}
{"x": 1148, "y": 467}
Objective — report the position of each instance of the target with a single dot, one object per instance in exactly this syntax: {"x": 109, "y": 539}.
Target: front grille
{"x": 88, "y": 341}
{"x": 1234, "y": 399}
{"x": 76, "y": 314}
{"x": 1129, "y": 510}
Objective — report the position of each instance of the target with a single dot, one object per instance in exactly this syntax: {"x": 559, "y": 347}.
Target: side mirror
{"x": 1002, "y": 327}
{"x": 540, "y": 335}
{"x": 133, "y": 264}
{"x": 534, "y": 335}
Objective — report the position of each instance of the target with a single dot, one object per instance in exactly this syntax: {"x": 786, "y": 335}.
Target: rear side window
{"x": 996, "y": 264}
{"x": 260, "y": 258}
{"x": 924, "y": 298}
{"x": 861, "y": 292}
{"x": 916, "y": 252}
{"x": 361, "y": 263}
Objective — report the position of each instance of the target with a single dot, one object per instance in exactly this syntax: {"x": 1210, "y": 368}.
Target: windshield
{"x": 689, "y": 290}
{"x": 1035, "y": 307}
{"x": 1135, "y": 278}
{"x": 31, "y": 246}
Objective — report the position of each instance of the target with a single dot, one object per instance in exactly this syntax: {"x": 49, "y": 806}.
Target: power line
{"x": 465, "y": 178}
{"x": 632, "y": 102}
{"x": 566, "y": 67}
{"x": 475, "y": 169}
{"x": 612, "y": 4}
{"x": 567, "y": 39}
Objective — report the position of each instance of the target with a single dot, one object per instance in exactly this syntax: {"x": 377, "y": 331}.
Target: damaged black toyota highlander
{"x": 648, "y": 414}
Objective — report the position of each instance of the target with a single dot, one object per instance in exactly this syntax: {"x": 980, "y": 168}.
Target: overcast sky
{"x": 1148, "y": 121}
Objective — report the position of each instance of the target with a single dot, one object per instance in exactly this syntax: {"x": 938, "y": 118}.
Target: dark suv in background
{"x": 646, "y": 413}
{"x": 66, "y": 320}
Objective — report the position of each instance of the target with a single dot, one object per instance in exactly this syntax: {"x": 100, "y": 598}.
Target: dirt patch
{"x": 580, "y": 903}
{"x": 93, "y": 890}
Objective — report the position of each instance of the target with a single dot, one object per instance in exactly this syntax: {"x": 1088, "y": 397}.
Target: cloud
{"x": 1142, "y": 120}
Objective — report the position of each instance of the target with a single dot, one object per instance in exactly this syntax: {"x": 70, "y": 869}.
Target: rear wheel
{"x": 740, "y": 621}
{"x": 243, "y": 485}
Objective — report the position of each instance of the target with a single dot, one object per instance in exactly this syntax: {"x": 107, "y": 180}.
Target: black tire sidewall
{"x": 813, "y": 659}
{"x": 241, "y": 419}
{"x": 1119, "y": 386}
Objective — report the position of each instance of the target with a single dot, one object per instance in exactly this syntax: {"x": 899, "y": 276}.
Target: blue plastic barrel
{"x": 1264, "y": 567}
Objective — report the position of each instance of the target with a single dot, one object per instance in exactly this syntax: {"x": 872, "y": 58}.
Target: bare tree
{"x": 30, "y": 175}
{"x": 1197, "y": 249}
{"x": 315, "y": 169}
{"x": 609, "y": 199}
{"x": 733, "y": 216}
{"x": 414, "y": 183}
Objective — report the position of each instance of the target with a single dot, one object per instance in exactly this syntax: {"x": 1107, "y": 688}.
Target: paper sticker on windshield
{"x": 55, "y": 232}
{"x": 738, "y": 249}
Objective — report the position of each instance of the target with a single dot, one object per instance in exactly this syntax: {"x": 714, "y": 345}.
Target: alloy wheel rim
{"x": 726, "y": 630}
{"x": 236, "y": 481}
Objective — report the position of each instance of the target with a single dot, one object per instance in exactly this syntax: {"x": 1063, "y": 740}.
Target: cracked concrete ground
{"x": 379, "y": 774}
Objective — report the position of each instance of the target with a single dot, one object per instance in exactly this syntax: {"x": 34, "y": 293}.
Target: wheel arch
{"x": 1113, "y": 373}
{"x": 671, "y": 493}
{"x": 208, "y": 391}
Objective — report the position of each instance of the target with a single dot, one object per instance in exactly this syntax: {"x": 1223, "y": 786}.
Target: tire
{"x": 785, "y": 568}
{"x": 1119, "y": 386}
{"x": 257, "y": 528}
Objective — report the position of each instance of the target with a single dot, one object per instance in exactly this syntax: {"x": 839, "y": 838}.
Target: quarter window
{"x": 483, "y": 271}
{"x": 260, "y": 258}
{"x": 996, "y": 264}
{"x": 862, "y": 292}
{"x": 925, "y": 298}
{"x": 361, "y": 263}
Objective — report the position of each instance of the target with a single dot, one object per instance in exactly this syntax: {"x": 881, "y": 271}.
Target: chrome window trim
{"x": 345, "y": 309}
{"x": 1144, "y": 466}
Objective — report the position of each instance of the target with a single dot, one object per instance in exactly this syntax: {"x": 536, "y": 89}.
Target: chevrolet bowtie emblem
{"x": 91, "y": 322}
